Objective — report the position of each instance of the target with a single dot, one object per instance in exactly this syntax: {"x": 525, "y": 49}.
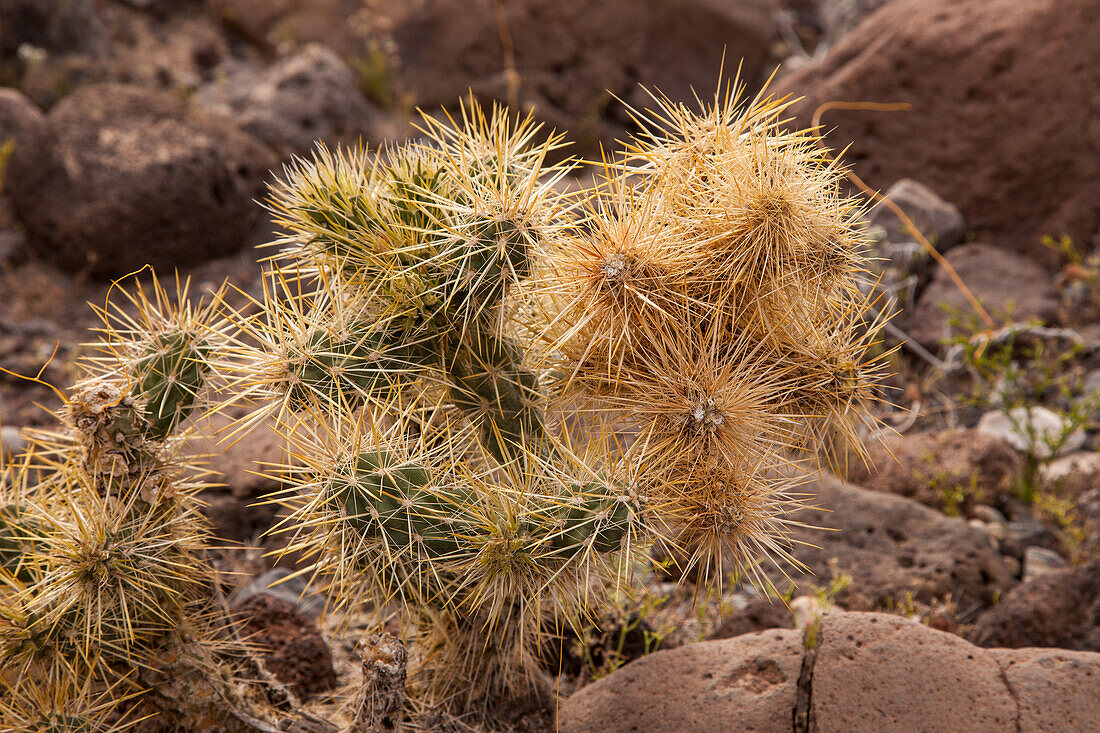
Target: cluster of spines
{"x": 711, "y": 299}
{"x": 101, "y": 538}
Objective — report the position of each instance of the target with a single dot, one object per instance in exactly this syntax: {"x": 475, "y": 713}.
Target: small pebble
{"x": 1025, "y": 532}
{"x": 988, "y": 514}
{"x": 11, "y": 441}
{"x": 295, "y": 591}
{"x": 1035, "y": 430}
{"x": 1039, "y": 561}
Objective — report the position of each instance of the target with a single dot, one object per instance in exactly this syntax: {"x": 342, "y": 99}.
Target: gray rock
{"x": 306, "y": 97}
{"x": 988, "y": 514}
{"x": 1023, "y": 533}
{"x": 1034, "y": 430}
{"x": 11, "y": 441}
{"x": 118, "y": 177}
{"x": 18, "y": 115}
{"x": 1039, "y": 561}
{"x": 275, "y": 583}
{"x": 903, "y": 257}
{"x": 1085, "y": 463}
{"x": 939, "y": 221}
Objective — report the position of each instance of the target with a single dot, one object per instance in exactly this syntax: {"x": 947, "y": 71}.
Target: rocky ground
{"x": 960, "y": 588}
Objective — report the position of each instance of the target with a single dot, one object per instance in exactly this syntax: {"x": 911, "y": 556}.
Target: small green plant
{"x": 1019, "y": 367}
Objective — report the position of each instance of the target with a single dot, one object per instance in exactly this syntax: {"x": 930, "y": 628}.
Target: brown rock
{"x": 119, "y": 177}
{"x": 1055, "y": 691}
{"x": 875, "y": 672}
{"x": 950, "y": 471}
{"x": 890, "y": 545}
{"x": 863, "y": 673}
{"x": 293, "y": 649}
{"x": 999, "y": 279}
{"x": 1059, "y": 609}
{"x": 758, "y": 615}
{"x": 572, "y": 55}
{"x": 58, "y": 26}
{"x": 995, "y": 86}
{"x": 743, "y": 684}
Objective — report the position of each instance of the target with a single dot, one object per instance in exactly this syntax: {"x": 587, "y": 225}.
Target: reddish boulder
{"x": 875, "y": 672}
{"x": 746, "y": 684}
{"x": 862, "y": 672}
{"x": 1001, "y": 124}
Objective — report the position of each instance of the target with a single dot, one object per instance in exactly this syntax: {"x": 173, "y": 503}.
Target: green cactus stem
{"x": 352, "y": 367}
{"x": 383, "y": 497}
{"x": 595, "y": 517}
{"x": 169, "y": 376}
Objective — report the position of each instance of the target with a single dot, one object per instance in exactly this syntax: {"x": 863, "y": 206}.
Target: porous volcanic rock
{"x": 572, "y": 55}
{"x": 875, "y": 672}
{"x": 748, "y": 683}
{"x": 292, "y": 647}
{"x": 1058, "y": 609}
{"x": 949, "y": 470}
{"x": 118, "y": 177}
{"x": 308, "y": 96}
{"x": 999, "y": 279}
{"x": 880, "y": 672}
{"x": 857, "y": 673}
{"x": 891, "y": 545}
{"x": 1000, "y": 124}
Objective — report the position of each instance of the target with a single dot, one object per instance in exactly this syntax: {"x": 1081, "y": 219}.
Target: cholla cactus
{"x": 104, "y": 579}
{"x": 702, "y": 297}
{"x": 495, "y": 396}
